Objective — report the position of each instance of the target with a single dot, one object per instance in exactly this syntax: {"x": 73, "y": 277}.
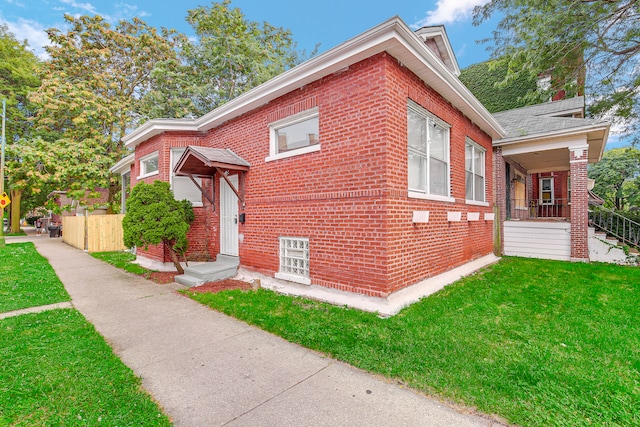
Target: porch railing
{"x": 537, "y": 208}
{"x": 614, "y": 224}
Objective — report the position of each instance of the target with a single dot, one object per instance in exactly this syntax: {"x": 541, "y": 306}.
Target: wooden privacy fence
{"x": 94, "y": 233}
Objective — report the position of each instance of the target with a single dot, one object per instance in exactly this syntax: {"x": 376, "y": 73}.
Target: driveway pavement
{"x": 207, "y": 369}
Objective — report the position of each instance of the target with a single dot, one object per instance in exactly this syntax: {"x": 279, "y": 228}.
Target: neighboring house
{"x": 361, "y": 177}
{"x": 71, "y": 207}
{"x": 541, "y": 178}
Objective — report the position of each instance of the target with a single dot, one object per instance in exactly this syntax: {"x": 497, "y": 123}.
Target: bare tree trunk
{"x": 174, "y": 258}
{"x": 16, "y": 197}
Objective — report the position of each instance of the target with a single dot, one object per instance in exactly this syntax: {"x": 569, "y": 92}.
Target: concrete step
{"x": 225, "y": 266}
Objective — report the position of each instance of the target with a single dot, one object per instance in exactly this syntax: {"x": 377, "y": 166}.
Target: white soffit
{"x": 392, "y": 36}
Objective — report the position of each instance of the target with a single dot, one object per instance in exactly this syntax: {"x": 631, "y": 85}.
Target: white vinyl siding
{"x": 533, "y": 239}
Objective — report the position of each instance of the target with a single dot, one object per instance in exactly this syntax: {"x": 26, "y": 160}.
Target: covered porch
{"x": 541, "y": 179}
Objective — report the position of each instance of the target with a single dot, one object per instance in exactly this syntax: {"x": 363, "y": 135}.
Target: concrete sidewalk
{"x": 207, "y": 369}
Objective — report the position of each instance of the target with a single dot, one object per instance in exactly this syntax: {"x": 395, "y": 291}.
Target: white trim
{"x": 476, "y": 203}
{"x": 124, "y": 165}
{"x": 293, "y": 153}
{"x": 293, "y": 278}
{"x": 475, "y": 146}
{"x": 172, "y": 174}
{"x": 423, "y": 196}
{"x": 143, "y": 173}
{"x": 552, "y": 190}
{"x": 392, "y": 36}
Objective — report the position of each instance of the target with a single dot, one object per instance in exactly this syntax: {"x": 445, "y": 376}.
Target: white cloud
{"x": 450, "y": 11}
{"x": 86, "y": 7}
{"x": 33, "y": 32}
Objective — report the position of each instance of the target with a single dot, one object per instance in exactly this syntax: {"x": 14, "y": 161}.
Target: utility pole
{"x": 4, "y": 116}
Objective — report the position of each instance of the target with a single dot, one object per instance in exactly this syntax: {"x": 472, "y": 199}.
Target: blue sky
{"x": 329, "y": 22}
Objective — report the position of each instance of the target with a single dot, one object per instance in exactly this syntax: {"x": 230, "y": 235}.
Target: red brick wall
{"x": 350, "y": 198}
{"x": 579, "y": 204}
{"x": 560, "y": 184}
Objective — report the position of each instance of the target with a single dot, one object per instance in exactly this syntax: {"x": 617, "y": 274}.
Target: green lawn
{"x": 57, "y": 370}
{"x": 27, "y": 279}
{"x": 121, "y": 260}
{"x": 536, "y": 342}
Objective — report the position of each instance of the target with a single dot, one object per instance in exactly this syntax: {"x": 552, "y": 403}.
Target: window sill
{"x": 476, "y": 203}
{"x": 148, "y": 175}
{"x": 416, "y": 195}
{"x": 293, "y": 278}
{"x": 293, "y": 153}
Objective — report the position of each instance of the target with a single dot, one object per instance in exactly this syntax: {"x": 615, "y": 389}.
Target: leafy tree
{"x": 154, "y": 216}
{"x": 231, "y": 55}
{"x": 483, "y": 80}
{"x": 574, "y": 38}
{"x": 617, "y": 176}
{"x": 92, "y": 93}
{"x": 18, "y": 78}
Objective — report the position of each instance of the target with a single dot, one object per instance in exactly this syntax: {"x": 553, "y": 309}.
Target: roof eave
{"x": 554, "y": 134}
{"x": 155, "y": 127}
{"x": 392, "y": 36}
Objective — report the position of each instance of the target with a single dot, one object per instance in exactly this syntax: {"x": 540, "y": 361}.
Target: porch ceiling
{"x": 549, "y": 153}
{"x": 203, "y": 161}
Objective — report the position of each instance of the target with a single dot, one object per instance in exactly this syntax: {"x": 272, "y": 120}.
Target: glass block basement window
{"x": 294, "y": 256}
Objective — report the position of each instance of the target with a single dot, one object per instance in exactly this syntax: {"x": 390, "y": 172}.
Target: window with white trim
{"x": 149, "y": 165}
{"x": 182, "y": 186}
{"x": 546, "y": 191}
{"x": 295, "y": 135}
{"x": 474, "y": 168}
{"x": 294, "y": 259}
{"x": 428, "y": 139}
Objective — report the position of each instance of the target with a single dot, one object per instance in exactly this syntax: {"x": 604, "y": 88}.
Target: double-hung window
{"x": 149, "y": 165}
{"x": 546, "y": 191}
{"x": 474, "y": 167}
{"x": 295, "y": 135}
{"x": 182, "y": 186}
{"x": 428, "y": 140}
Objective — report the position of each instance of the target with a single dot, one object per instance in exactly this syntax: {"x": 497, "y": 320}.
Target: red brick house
{"x": 361, "y": 177}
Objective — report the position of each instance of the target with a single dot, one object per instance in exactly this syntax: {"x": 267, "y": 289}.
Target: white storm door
{"x": 228, "y": 217}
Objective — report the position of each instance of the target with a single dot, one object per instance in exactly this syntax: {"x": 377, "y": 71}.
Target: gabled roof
{"x": 392, "y": 36}
{"x": 438, "y": 34}
{"x": 203, "y": 161}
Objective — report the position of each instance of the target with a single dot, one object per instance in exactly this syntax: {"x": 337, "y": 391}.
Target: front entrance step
{"x": 224, "y": 267}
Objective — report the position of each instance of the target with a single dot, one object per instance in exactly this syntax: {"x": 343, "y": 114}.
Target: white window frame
{"x": 476, "y": 147}
{"x": 552, "y": 199}
{"x": 312, "y": 113}
{"x": 174, "y": 157}
{"x": 433, "y": 120}
{"x": 143, "y": 169}
{"x": 294, "y": 260}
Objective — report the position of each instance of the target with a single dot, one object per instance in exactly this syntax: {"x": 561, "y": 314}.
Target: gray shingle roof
{"x": 542, "y": 118}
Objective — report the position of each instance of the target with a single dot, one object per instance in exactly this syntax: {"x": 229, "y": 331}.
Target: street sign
{"x": 4, "y": 200}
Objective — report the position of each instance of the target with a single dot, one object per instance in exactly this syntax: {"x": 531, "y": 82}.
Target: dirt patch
{"x": 221, "y": 285}
{"x": 162, "y": 277}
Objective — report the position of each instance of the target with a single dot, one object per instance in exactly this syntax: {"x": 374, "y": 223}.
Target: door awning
{"x": 204, "y": 162}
